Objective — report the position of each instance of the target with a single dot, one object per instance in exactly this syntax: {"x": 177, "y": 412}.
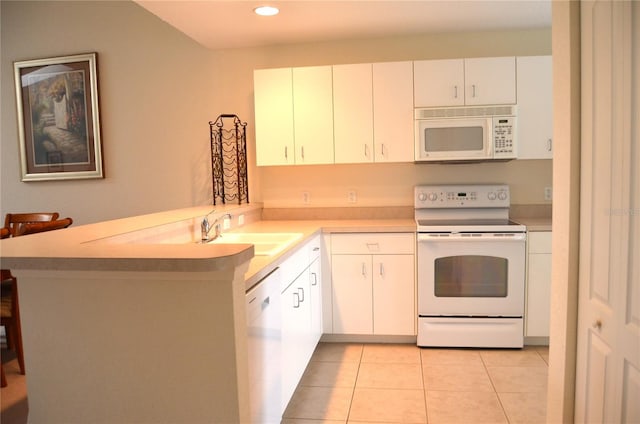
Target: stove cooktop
{"x": 469, "y": 225}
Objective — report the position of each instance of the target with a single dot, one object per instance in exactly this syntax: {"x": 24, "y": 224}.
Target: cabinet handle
{"x": 382, "y": 149}
{"x": 266, "y": 303}
{"x": 315, "y": 249}
{"x": 364, "y": 270}
{"x": 381, "y": 269}
{"x": 296, "y": 300}
{"x": 455, "y": 91}
{"x": 301, "y": 291}
{"x": 597, "y": 325}
{"x": 302, "y": 151}
{"x": 286, "y": 152}
{"x": 315, "y": 279}
{"x": 549, "y": 144}
{"x": 473, "y": 90}
{"x": 366, "y": 151}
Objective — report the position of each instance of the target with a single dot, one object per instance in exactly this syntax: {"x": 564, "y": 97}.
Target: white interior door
{"x": 608, "y": 357}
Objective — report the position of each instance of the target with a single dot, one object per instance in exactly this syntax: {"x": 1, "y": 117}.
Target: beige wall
{"x": 159, "y": 89}
{"x": 155, "y": 98}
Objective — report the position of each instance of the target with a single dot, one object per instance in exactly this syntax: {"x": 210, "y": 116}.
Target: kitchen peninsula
{"x": 133, "y": 320}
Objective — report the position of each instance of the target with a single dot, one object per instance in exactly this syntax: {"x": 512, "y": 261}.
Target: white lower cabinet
{"x": 538, "y": 308}
{"x": 296, "y": 328}
{"x": 373, "y": 283}
{"x": 284, "y": 325}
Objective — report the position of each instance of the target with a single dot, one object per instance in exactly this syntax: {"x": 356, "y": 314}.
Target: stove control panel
{"x": 460, "y": 196}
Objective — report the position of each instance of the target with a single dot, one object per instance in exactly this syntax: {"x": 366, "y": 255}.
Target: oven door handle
{"x": 483, "y": 238}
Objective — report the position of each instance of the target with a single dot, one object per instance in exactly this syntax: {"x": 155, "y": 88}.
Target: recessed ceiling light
{"x": 266, "y": 10}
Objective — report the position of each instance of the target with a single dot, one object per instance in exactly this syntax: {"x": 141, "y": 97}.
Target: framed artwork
{"x": 58, "y": 118}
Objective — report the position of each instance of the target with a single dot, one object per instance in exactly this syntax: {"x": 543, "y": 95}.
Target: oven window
{"x": 471, "y": 276}
{"x": 453, "y": 139}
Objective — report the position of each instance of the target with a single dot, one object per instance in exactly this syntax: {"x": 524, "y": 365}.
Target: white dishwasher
{"x": 264, "y": 349}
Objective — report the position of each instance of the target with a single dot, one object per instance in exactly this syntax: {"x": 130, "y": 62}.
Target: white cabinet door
{"x": 438, "y": 82}
{"x": 535, "y": 107}
{"x": 264, "y": 350}
{"x": 393, "y": 112}
{"x": 458, "y": 82}
{"x": 315, "y": 287}
{"x": 273, "y": 97}
{"x": 538, "y": 284}
{"x": 490, "y": 80}
{"x": 393, "y": 295}
{"x": 352, "y": 294}
{"x": 296, "y": 325}
{"x": 313, "y": 115}
{"x": 353, "y": 113}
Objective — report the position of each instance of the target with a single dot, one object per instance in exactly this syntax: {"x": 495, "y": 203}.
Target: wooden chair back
{"x": 39, "y": 227}
{"x": 16, "y": 222}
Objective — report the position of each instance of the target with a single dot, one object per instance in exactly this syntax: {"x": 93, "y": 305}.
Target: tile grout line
{"x": 353, "y": 392}
{"x": 495, "y": 391}
{"x": 424, "y": 387}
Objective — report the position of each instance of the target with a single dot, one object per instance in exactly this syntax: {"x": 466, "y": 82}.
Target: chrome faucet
{"x": 206, "y": 227}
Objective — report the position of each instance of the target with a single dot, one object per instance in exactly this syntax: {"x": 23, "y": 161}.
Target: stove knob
{"x": 433, "y": 197}
{"x": 502, "y": 195}
{"x": 422, "y": 197}
{"x": 491, "y": 195}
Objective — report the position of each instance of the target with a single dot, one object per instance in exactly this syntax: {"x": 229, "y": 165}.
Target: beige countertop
{"x": 535, "y": 224}
{"x": 261, "y": 266}
{"x": 103, "y": 247}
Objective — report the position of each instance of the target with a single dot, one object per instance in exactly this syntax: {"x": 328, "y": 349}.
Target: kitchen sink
{"x": 264, "y": 244}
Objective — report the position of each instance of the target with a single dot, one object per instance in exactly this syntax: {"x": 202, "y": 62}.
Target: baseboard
{"x": 367, "y": 338}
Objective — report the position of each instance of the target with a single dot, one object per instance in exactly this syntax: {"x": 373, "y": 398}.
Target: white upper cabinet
{"x": 535, "y": 107}
{"x": 438, "y": 82}
{"x": 458, "y": 82}
{"x": 353, "y": 113}
{"x": 373, "y": 112}
{"x": 490, "y": 81}
{"x": 273, "y": 96}
{"x": 313, "y": 115}
{"x": 294, "y": 116}
{"x": 393, "y": 112}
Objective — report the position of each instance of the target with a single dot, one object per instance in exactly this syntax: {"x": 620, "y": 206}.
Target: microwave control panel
{"x": 504, "y": 132}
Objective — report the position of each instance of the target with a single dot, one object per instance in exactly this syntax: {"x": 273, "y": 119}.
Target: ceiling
{"x": 219, "y": 24}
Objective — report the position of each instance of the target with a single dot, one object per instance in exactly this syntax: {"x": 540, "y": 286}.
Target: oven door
{"x": 471, "y": 274}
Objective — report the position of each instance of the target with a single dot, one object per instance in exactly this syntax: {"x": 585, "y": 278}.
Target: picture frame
{"x": 58, "y": 118}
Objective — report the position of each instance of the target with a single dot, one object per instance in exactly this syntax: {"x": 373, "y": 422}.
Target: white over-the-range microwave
{"x": 465, "y": 134}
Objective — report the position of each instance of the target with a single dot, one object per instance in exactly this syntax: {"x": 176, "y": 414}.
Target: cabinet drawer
{"x": 540, "y": 242}
{"x": 373, "y": 243}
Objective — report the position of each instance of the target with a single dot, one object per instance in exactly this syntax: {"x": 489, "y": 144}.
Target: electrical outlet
{"x": 548, "y": 193}
{"x": 352, "y": 197}
{"x": 226, "y": 224}
{"x": 306, "y": 197}
{"x": 241, "y": 219}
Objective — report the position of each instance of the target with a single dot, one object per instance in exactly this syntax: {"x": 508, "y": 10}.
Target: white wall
{"x": 159, "y": 89}
{"x": 156, "y": 96}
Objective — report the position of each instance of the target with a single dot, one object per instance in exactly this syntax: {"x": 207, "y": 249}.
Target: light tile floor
{"x": 392, "y": 383}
